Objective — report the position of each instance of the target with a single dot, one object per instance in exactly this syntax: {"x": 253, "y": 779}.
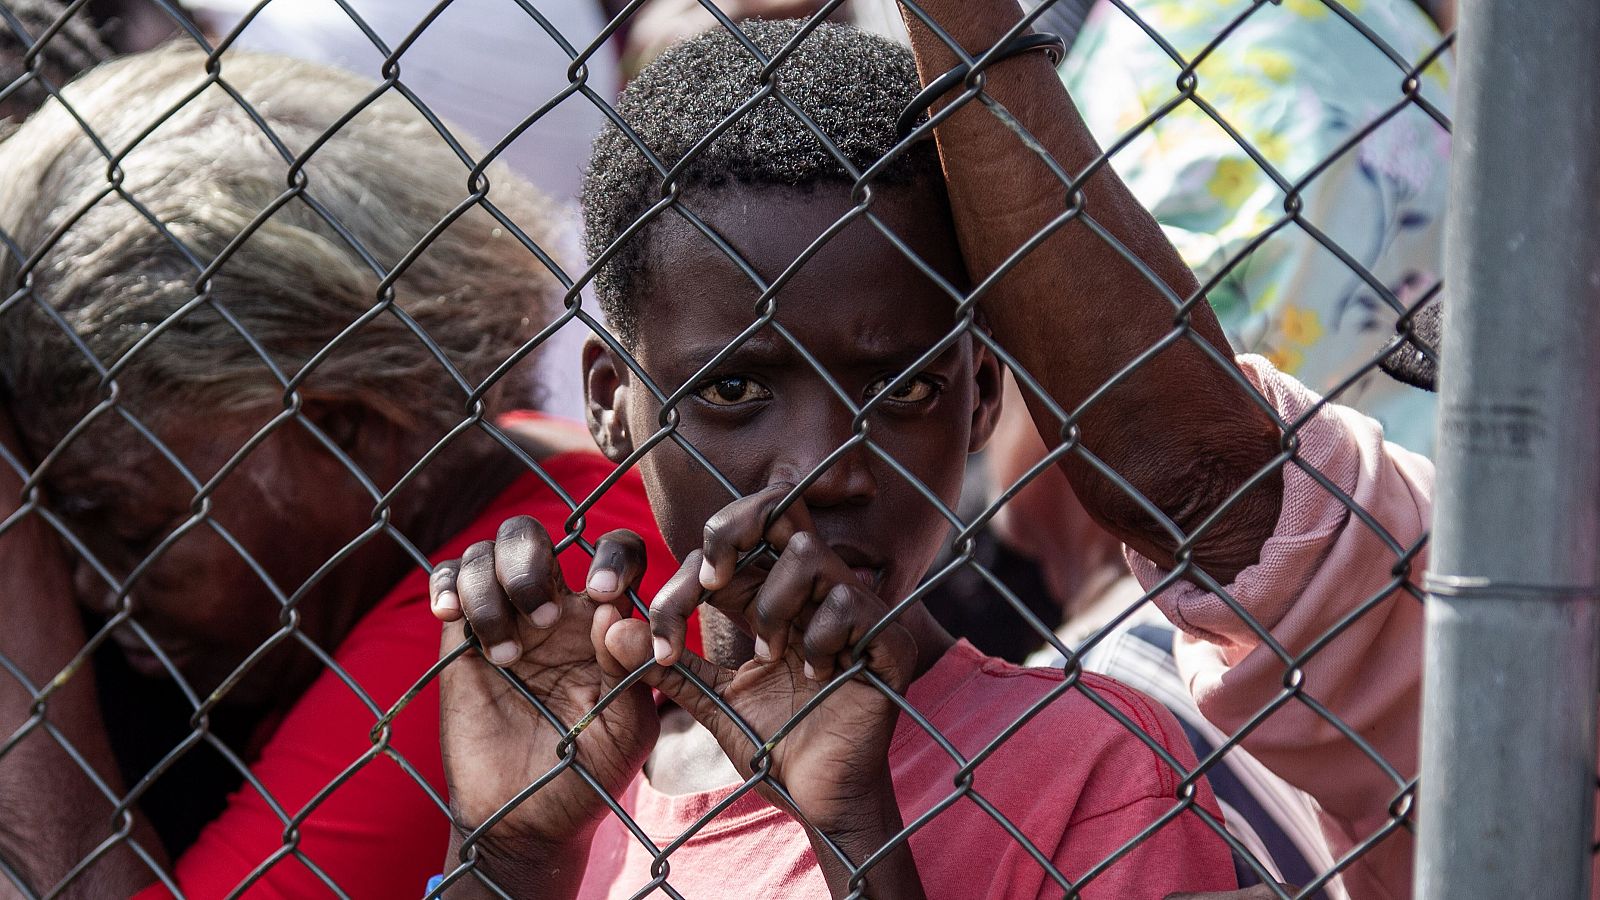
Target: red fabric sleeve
{"x": 1128, "y": 788}
{"x": 379, "y": 833}
{"x": 1184, "y": 855}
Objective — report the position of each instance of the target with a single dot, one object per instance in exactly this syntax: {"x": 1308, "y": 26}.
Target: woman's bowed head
{"x": 223, "y": 530}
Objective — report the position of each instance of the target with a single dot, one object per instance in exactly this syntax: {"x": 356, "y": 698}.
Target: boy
{"x": 1055, "y": 805}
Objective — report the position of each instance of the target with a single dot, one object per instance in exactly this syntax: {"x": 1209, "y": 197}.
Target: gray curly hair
{"x": 294, "y": 285}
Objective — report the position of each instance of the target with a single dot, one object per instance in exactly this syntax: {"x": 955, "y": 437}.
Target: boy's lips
{"x": 146, "y": 663}
{"x": 867, "y": 569}
{"x": 144, "y": 660}
{"x": 868, "y": 576}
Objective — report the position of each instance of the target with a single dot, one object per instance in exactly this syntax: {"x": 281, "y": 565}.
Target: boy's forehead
{"x": 840, "y": 343}
{"x": 770, "y": 227}
{"x": 856, "y": 290}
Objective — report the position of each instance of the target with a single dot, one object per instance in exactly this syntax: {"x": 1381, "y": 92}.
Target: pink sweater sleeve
{"x": 1331, "y": 577}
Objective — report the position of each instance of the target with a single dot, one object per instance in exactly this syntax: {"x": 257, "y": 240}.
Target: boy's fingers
{"x": 605, "y": 616}
{"x": 468, "y": 687}
{"x": 892, "y": 654}
{"x": 846, "y": 615}
{"x": 486, "y": 606}
{"x": 742, "y": 524}
{"x": 523, "y": 564}
{"x": 442, "y": 596}
{"x": 452, "y": 635}
{"x": 618, "y": 564}
{"x": 828, "y": 635}
{"x": 806, "y": 566}
{"x": 630, "y": 644}
{"x": 671, "y": 608}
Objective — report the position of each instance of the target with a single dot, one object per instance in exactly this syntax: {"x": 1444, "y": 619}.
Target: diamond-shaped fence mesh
{"x": 278, "y": 308}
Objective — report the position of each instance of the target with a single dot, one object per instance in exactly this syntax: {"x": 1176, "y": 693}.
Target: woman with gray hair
{"x": 247, "y": 395}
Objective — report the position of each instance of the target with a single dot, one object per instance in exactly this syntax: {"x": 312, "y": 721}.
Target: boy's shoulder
{"x": 1057, "y": 725}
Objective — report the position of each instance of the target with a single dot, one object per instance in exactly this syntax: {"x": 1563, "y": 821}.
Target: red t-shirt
{"x": 382, "y": 832}
{"x": 1072, "y": 779}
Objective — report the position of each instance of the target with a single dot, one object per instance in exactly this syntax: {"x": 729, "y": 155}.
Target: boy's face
{"x": 764, "y": 414}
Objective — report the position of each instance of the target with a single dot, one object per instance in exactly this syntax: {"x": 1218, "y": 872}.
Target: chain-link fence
{"x": 271, "y": 335}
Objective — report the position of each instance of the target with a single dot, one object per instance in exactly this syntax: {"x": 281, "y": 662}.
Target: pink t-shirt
{"x": 1072, "y": 779}
{"x": 1321, "y": 564}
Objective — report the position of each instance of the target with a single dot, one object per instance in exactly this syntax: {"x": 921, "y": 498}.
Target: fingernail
{"x": 763, "y": 652}
{"x": 504, "y": 653}
{"x": 708, "y": 574}
{"x": 810, "y": 672}
{"x": 663, "y": 650}
{"x": 545, "y": 615}
{"x": 603, "y": 581}
{"x": 448, "y": 601}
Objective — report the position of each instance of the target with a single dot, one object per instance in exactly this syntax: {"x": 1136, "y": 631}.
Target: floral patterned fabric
{"x": 1297, "y": 81}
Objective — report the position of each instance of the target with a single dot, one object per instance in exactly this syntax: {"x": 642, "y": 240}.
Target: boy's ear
{"x": 605, "y": 399}
{"x": 990, "y": 376}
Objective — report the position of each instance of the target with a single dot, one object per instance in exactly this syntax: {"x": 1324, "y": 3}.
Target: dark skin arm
{"x": 51, "y": 814}
{"x": 1074, "y": 311}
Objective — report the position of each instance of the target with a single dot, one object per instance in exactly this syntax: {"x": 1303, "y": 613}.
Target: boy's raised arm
{"x": 1074, "y": 311}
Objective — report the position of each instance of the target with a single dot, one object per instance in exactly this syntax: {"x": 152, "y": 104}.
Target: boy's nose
{"x": 848, "y": 479}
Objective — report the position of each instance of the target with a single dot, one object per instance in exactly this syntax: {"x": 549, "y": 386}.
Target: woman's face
{"x": 208, "y": 590}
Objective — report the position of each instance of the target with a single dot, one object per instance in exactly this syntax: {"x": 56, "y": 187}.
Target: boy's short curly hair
{"x": 852, "y": 84}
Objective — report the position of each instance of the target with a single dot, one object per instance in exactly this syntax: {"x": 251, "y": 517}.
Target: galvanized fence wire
{"x": 299, "y": 187}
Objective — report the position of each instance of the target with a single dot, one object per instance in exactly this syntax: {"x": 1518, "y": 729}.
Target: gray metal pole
{"x": 1509, "y": 693}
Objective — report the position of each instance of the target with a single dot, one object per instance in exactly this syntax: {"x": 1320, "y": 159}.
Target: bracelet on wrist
{"x": 1052, "y": 45}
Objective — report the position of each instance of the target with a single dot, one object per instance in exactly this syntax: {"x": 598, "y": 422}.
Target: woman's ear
{"x": 990, "y": 377}
{"x": 605, "y": 398}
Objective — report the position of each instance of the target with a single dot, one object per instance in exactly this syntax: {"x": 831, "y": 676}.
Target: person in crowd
{"x": 1045, "y": 534}
{"x": 243, "y": 417}
{"x": 856, "y": 540}
{"x": 1287, "y": 551}
{"x": 1300, "y": 84}
{"x": 1296, "y": 71}
{"x": 73, "y": 48}
{"x": 1110, "y": 628}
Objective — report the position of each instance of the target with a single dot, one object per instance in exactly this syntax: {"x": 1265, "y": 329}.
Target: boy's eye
{"x": 914, "y": 391}
{"x": 732, "y": 391}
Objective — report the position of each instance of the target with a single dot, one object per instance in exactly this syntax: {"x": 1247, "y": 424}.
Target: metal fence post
{"x": 1509, "y": 696}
